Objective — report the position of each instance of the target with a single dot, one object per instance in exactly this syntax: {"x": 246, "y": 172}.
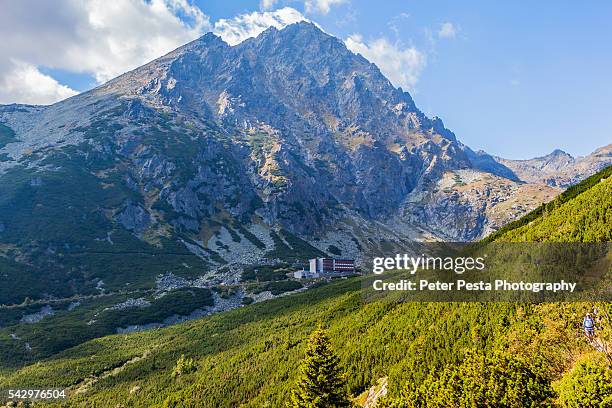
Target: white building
{"x": 331, "y": 266}
{"x": 304, "y": 274}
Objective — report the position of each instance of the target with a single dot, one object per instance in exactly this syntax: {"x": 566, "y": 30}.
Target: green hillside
{"x": 429, "y": 351}
{"x": 579, "y": 214}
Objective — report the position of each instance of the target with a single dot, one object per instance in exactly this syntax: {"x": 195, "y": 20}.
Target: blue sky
{"x": 517, "y": 79}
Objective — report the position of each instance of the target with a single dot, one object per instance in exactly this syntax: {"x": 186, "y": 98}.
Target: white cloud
{"x": 239, "y": 28}
{"x": 310, "y": 6}
{"x": 97, "y": 37}
{"x": 25, "y": 83}
{"x": 447, "y": 30}
{"x": 132, "y": 32}
{"x": 267, "y": 4}
{"x": 397, "y": 21}
{"x": 402, "y": 65}
{"x": 321, "y": 6}
{"x": 105, "y": 38}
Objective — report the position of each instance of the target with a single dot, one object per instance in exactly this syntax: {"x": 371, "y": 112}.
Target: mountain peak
{"x": 209, "y": 37}
{"x": 298, "y": 69}
{"x": 304, "y": 26}
{"x": 302, "y": 32}
{"x": 559, "y": 152}
{"x": 208, "y": 40}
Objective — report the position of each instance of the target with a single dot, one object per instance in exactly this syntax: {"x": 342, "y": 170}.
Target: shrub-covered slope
{"x": 250, "y": 356}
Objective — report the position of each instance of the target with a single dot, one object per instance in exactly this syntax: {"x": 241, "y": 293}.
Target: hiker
{"x": 589, "y": 326}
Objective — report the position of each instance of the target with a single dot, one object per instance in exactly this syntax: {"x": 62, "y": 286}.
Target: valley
{"x": 163, "y": 213}
{"x": 408, "y": 344}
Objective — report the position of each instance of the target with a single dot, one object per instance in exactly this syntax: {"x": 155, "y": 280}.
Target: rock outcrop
{"x": 280, "y": 147}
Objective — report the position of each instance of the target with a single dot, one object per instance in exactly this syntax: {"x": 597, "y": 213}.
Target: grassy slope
{"x": 539, "y": 219}
{"x": 94, "y": 317}
{"x": 586, "y": 218}
{"x": 250, "y": 355}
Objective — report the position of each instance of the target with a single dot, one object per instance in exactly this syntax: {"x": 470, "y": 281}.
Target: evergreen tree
{"x": 321, "y": 383}
{"x": 183, "y": 366}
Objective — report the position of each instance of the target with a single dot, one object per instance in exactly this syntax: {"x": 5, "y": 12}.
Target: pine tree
{"x": 321, "y": 383}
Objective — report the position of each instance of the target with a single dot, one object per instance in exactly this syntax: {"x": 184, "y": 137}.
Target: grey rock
{"x": 134, "y": 218}
{"x": 38, "y": 316}
{"x": 289, "y": 130}
{"x": 560, "y": 169}
{"x": 130, "y": 303}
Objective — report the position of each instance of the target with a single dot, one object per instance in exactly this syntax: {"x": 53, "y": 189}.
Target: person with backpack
{"x": 589, "y": 326}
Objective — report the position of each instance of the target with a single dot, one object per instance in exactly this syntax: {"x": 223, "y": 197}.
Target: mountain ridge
{"x": 558, "y": 168}
{"x": 274, "y": 150}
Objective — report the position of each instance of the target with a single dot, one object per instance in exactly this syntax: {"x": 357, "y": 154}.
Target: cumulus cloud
{"x": 267, "y": 4}
{"x": 96, "y": 37}
{"x": 40, "y": 88}
{"x": 310, "y": 6}
{"x": 239, "y": 28}
{"x": 402, "y": 65}
{"x": 321, "y": 6}
{"x": 105, "y": 38}
{"x": 447, "y": 30}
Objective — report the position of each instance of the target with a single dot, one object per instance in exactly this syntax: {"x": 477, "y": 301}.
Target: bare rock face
{"x": 315, "y": 127}
{"x": 134, "y": 218}
{"x": 376, "y": 392}
{"x": 470, "y": 204}
{"x": 559, "y": 169}
{"x": 289, "y": 135}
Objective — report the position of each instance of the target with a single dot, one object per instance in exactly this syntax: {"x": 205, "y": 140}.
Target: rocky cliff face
{"x": 469, "y": 204}
{"x": 558, "y": 168}
{"x": 282, "y": 147}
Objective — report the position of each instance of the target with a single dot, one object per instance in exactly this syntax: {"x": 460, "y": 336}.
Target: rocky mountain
{"x": 559, "y": 169}
{"x": 213, "y": 157}
{"x": 466, "y": 204}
